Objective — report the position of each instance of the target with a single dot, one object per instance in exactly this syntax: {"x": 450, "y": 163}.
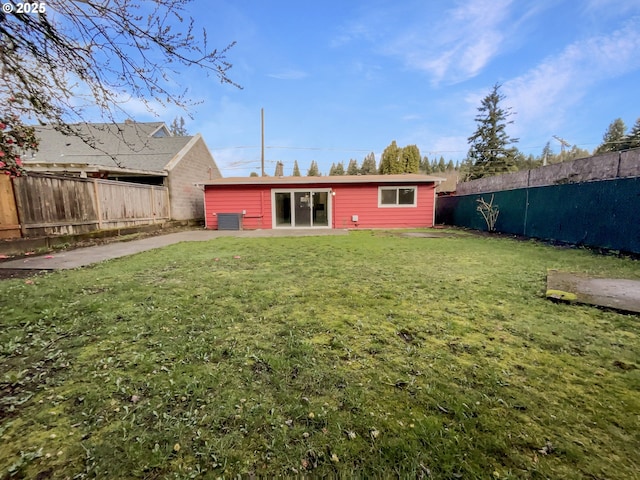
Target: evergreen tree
{"x": 391, "y": 162}
{"x": 528, "y": 162}
{"x": 547, "y": 154}
{"x": 520, "y": 161}
{"x": 434, "y": 166}
{"x": 425, "y": 166}
{"x": 353, "y": 169}
{"x": 410, "y": 159}
{"x": 296, "y": 169}
{"x": 441, "y": 165}
{"x": 332, "y": 170}
{"x": 177, "y": 127}
{"x": 574, "y": 153}
{"x": 279, "y": 169}
{"x": 632, "y": 140}
{"x": 313, "y": 169}
{"x": 613, "y": 139}
{"x": 369, "y": 165}
{"x": 490, "y": 149}
{"x": 253, "y": 174}
{"x": 533, "y": 162}
{"x": 465, "y": 169}
{"x": 450, "y": 166}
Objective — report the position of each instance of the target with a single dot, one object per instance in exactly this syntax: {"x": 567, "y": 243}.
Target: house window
{"x": 161, "y": 132}
{"x": 397, "y": 196}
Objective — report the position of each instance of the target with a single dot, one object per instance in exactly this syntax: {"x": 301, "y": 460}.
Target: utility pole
{"x": 563, "y": 143}
{"x": 262, "y": 124}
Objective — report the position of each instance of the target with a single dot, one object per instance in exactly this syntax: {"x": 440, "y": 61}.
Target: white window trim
{"x": 397, "y": 187}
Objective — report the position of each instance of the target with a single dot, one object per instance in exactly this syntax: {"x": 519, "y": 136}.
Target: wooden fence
{"x": 9, "y": 225}
{"x": 51, "y": 205}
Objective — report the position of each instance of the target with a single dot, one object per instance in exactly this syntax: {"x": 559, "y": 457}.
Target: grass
{"x": 367, "y": 355}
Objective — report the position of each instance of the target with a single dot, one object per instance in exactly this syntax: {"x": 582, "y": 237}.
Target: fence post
{"x": 96, "y": 193}
{"x": 153, "y": 203}
{"x": 10, "y": 225}
{"x": 18, "y": 187}
{"x": 168, "y": 200}
{"x": 526, "y": 204}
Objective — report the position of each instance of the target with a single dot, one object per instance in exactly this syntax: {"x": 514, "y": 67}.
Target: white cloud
{"x": 612, "y": 7}
{"x": 353, "y": 31}
{"x": 366, "y": 71}
{"x": 457, "y": 45}
{"x": 450, "y": 45}
{"x": 451, "y": 147}
{"x": 234, "y": 162}
{"x": 545, "y": 94}
{"x": 123, "y": 106}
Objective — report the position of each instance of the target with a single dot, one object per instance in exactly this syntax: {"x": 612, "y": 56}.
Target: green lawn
{"x": 369, "y": 353}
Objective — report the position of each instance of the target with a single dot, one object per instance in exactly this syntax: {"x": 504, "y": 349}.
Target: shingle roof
{"x": 450, "y": 184}
{"x": 400, "y": 178}
{"x": 131, "y": 143}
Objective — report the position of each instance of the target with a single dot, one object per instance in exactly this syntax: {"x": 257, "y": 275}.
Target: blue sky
{"x": 340, "y": 79}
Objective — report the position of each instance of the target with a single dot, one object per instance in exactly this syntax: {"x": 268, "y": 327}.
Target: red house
{"x": 350, "y": 201}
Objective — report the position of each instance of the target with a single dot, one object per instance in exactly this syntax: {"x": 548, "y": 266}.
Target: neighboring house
{"x": 350, "y": 201}
{"x": 132, "y": 152}
{"x": 449, "y": 184}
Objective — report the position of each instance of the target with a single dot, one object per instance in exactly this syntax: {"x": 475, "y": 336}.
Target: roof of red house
{"x": 329, "y": 180}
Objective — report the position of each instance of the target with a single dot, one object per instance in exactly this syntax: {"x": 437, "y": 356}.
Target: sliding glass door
{"x": 320, "y": 209}
{"x": 301, "y": 208}
{"x": 302, "y": 202}
{"x": 282, "y": 209}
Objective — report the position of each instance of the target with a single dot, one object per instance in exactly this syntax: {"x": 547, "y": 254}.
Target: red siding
{"x": 349, "y": 200}
{"x": 362, "y": 200}
{"x": 254, "y": 199}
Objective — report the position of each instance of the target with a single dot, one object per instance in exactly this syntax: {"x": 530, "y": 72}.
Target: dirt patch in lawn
{"x": 9, "y": 273}
{"x": 427, "y": 234}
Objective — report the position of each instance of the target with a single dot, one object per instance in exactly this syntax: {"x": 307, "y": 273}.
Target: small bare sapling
{"x": 489, "y": 212}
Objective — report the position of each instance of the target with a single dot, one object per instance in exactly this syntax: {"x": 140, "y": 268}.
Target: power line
{"x": 368, "y": 150}
{"x": 328, "y": 149}
{"x": 233, "y": 148}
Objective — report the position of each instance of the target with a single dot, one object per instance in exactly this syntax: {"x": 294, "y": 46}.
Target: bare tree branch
{"x": 86, "y": 54}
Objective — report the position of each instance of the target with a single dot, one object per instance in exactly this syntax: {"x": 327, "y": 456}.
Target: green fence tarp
{"x": 604, "y": 214}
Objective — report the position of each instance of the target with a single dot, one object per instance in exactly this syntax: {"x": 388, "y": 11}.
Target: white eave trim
{"x": 183, "y": 151}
